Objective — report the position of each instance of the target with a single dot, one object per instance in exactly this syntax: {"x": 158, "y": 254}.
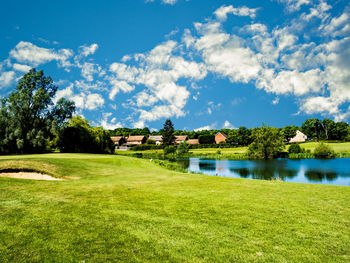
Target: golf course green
{"x": 112, "y": 208}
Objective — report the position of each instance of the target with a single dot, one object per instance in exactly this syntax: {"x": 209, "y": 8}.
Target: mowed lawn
{"x": 125, "y": 209}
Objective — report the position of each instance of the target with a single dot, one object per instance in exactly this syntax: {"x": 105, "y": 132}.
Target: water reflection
{"x": 336, "y": 171}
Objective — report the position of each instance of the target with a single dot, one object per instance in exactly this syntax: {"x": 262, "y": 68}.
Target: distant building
{"x": 118, "y": 140}
{"x": 299, "y": 137}
{"x": 135, "y": 140}
{"x": 193, "y": 141}
{"x": 157, "y": 138}
{"x": 220, "y": 137}
{"x": 180, "y": 138}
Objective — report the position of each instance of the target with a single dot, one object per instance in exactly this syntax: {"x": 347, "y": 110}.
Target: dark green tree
{"x": 79, "y": 136}
{"x": 328, "y": 127}
{"x": 182, "y": 148}
{"x": 289, "y": 132}
{"x": 168, "y": 133}
{"x": 312, "y": 128}
{"x": 341, "y": 131}
{"x": 31, "y": 118}
{"x": 267, "y": 143}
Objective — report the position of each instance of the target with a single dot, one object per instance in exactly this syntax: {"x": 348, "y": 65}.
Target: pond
{"x": 334, "y": 171}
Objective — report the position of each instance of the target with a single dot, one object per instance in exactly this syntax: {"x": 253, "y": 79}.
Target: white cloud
{"x": 294, "y": 5}
{"x": 6, "y": 78}
{"x": 294, "y": 82}
{"x": 88, "y": 50}
{"x": 276, "y": 101}
{"x": 89, "y": 101}
{"x": 228, "y": 125}
{"x": 222, "y": 12}
{"x": 168, "y": 2}
{"x": 109, "y": 125}
{"x": 339, "y": 26}
{"x": 89, "y": 69}
{"x": 26, "y": 52}
{"x": 207, "y": 127}
{"x": 21, "y": 68}
{"x": 119, "y": 85}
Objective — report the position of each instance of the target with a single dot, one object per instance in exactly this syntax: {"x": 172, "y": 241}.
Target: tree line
{"x": 30, "y": 121}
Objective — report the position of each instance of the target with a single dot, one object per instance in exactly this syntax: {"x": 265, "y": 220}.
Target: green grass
{"x": 130, "y": 210}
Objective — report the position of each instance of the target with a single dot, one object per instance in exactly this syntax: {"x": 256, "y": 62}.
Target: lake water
{"x": 334, "y": 171}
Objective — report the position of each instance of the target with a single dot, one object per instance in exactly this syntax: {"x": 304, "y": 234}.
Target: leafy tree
{"x": 168, "y": 133}
{"x": 169, "y": 149}
{"x": 289, "y": 132}
{"x": 182, "y": 148}
{"x": 149, "y": 141}
{"x": 328, "y": 127}
{"x": 206, "y": 139}
{"x": 30, "y": 117}
{"x": 312, "y": 128}
{"x": 295, "y": 148}
{"x": 79, "y": 136}
{"x": 267, "y": 143}
{"x": 324, "y": 151}
{"x": 341, "y": 131}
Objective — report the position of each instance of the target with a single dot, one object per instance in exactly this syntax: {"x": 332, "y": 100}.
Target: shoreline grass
{"x": 130, "y": 210}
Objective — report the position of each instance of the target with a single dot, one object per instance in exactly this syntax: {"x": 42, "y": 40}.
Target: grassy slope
{"x": 129, "y": 210}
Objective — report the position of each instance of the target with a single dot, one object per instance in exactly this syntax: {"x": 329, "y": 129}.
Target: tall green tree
{"x": 328, "y": 127}
{"x": 289, "y": 132}
{"x": 79, "y": 136}
{"x": 312, "y": 128}
{"x": 30, "y": 116}
{"x": 341, "y": 131}
{"x": 168, "y": 133}
{"x": 267, "y": 143}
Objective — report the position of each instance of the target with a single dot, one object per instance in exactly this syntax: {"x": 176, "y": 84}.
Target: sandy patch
{"x": 30, "y": 175}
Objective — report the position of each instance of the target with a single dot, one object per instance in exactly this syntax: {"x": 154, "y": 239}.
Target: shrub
{"x": 295, "y": 148}
{"x": 169, "y": 149}
{"x": 206, "y": 139}
{"x": 150, "y": 142}
{"x": 324, "y": 151}
{"x": 182, "y": 148}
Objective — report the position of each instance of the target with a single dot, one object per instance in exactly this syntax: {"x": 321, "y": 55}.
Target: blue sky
{"x": 202, "y": 63}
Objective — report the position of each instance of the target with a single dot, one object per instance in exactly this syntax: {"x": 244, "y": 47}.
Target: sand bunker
{"x": 29, "y": 175}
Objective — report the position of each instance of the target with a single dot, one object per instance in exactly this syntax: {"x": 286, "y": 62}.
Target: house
{"x": 180, "y": 138}
{"x": 193, "y": 141}
{"x": 118, "y": 140}
{"x": 299, "y": 137}
{"x": 220, "y": 137}
{"x": 157, "y": 138}
{"x": 136, "y": 140}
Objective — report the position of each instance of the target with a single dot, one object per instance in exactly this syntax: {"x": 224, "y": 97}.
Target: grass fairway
{"x": 129, "y": 210}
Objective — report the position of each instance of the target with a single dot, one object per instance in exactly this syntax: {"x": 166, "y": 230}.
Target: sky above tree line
{"x": 204, "y": 64}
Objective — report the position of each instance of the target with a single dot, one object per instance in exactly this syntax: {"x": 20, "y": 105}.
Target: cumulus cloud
{"x": 109, "y": 125}
{"x": 294, "y": 5}
{"x": 88, "y": 50}
{"x": 89, "y": 101}
{"x": 6, "y": 78}
{"x": 119, "y": 85}
{"x": 222, "y": 12}
{"x": 228, "y": 125}
{"x": 207, "y": 127}
{"x": 26, "y": 52}
{"x": 21, "y": 67}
